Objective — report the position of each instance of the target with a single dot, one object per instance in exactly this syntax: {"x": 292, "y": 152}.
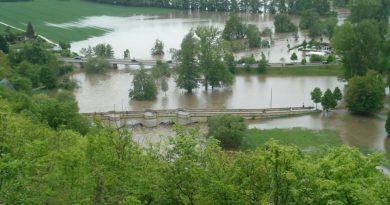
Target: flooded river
{"x": 110, "y": 92}
{"x": 99, "y": 93}
{"x": 139, "y": 32}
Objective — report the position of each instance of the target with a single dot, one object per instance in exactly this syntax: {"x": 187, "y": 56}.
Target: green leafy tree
{"x": 387, "y": 125}
{"x": 3, "y": 45}
{"x": 214, "y": 71}
{"x": 263, "y": 63}
{"x": 144, "y": 87}
{"x": 228, "y": 129}
{"x": 64, "y": 45}
{"x": 234, "y": 28}
{"x": 359, "y": 47}
{"x": 283, "y": 24}
{"x": 294, "y": 57}
{"x": 230, "y": 62}
{"x": 253, "y": 35}
{"x": 48, "y": 77}
{"x": 188, "y": 71}
{"x": 337, "y": 94}
{"x": 164, "y": 85}
{"x": 96, "y": 65}
{"x": 30, "y": 33}
{"x": 158, "y": 49}
{"x": 309, "y": 18}
{"x": 87, "y": 52}
{"x": 102, "y": 51}
{"x": 161, "y": 70}
{"x": 365, "y": 94}
{"x": 126, "y": 54}
{"x": 316, "y": 95}
{"x": 328, "y": 101}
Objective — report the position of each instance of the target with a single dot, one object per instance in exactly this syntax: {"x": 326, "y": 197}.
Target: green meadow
{"x": 41, "y": 12}
{"x": 305, "y": 139}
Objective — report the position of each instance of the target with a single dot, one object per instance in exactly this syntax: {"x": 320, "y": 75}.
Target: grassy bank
{"x": 305, "y": 139}
{"x": 40, "y": 12}
{"x": 328, "y": 70}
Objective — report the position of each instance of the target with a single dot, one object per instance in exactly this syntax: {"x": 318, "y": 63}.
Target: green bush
{"x": 228, "y": 129}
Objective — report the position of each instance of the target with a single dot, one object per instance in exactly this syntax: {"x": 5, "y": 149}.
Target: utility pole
{"x": 271, "y": 99}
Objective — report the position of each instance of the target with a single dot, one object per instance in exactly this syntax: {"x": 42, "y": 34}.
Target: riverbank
{"x": 42, "y": 13}
{"x": 315, "y": 70}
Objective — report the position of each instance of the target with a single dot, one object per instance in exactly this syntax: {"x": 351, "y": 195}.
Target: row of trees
{"x": 328, "y": 100}
{"x": 364, "y": 94}
{"x": 251, "y": 6}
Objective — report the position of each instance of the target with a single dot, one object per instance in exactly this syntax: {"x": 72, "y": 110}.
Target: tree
{"x": 283, "y": 24}
{"x": 158, "y": 49}
{"x": 30, "y": 33}
{"x": 3, "y": 45}
{"x": 337, "y": 94}
{"x": 214, "y": 71}
{"x": 48, "y": 77}
{"x": 253, "y": 35}
{"x": 126, "y": 54}
{"x": 294, "y": 57}
{"x": 316, "y": 95}
{"x": 230, "y": 62}
{"x": 263, "y": 63}
{"x": 229, "y": 129}
{"x": 368, "y": 9}
{"x": 144, "y": 87}
{"x": 164, "y": 85}
{"x": 309, "y": 18}
{"x": 387, "y": 125}
{"x": 64, "y": 45}
{"x": 234, "y": 28}
{"x": 87, "y": 52}
{"x": 161, "y": 70}
{"x": 359, "y": 47}
{"x": 96, "y": 65}
{"x": 365, "y": 94}
{"x": 103, "y": 51}
{"x": 328, "y": 101}
{"x": 188, "y": 71}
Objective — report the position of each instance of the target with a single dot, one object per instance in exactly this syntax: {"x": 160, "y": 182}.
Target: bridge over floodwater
{"x": 152, "y": 118}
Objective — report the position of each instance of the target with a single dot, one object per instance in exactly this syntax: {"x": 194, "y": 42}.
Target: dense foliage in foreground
{"x": 42, "y": 165}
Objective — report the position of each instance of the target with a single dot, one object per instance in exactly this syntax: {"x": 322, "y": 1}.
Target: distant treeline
{"x": 13, "y": 0}
{"x": 252, "y": 6}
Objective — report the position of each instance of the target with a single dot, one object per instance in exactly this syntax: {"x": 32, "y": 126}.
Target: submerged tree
{"x": 158, "y": 49}
{"x": 328, "y": 101}
{"x": 126, "y": 54}
{"x": 188, "y": 71}
{"x": 214, "y": 70}
{"x": 144, "y": 87}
